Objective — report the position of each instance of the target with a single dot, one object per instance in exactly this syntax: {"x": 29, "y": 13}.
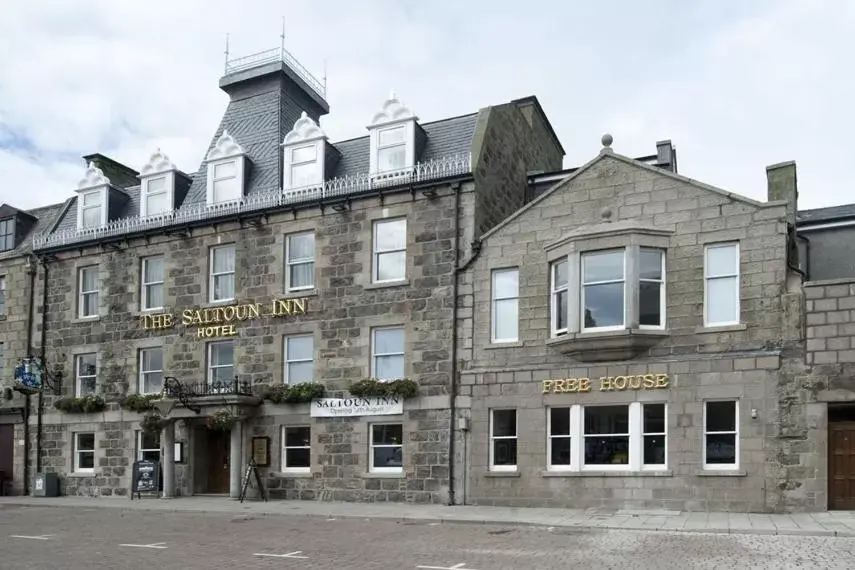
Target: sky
{"x": 736, "y": 85}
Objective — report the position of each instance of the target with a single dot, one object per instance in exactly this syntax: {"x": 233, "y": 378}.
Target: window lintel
{"x": 609, "y": 235}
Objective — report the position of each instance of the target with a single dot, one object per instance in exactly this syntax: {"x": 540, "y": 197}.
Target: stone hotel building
{"x": 286, "y": 260}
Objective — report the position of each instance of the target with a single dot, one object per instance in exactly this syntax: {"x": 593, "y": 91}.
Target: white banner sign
{"x": 336, "y": 407}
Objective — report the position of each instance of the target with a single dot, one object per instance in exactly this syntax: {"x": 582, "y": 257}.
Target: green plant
{"x": 139, "y": 402}
{"x": 83, "y": 405}
{"x": 372, "y": 387}
{"x": 152, "y": 423}
{"x": 296, "y": 394}
{"x": 222, "y": 420}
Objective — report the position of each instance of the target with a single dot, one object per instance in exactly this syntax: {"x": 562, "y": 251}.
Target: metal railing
{"x": 272, "y": 56}
{"x": 435, "y": 169}
{"x": 203, "y": 389}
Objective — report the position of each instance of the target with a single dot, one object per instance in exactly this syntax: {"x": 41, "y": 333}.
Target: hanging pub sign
{"x": 28, "y": 376}
{"x": 221, "y": 321}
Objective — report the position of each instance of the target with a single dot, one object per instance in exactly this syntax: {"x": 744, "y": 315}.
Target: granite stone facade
{"x": 612, "y": 203}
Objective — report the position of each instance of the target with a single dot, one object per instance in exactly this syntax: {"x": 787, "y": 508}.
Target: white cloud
{"x": 735, "y": 87}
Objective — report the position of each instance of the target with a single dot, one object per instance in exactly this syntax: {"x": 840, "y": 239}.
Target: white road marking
{"x": 289, "y": 555}
{"x": 455, "y": 567}
{"x": 41, "y": 537}
{"x": 158, "y": 545}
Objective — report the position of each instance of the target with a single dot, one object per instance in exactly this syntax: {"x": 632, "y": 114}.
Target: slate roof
{"x": 45, "y": 217}
{"x": 824, "y": 215}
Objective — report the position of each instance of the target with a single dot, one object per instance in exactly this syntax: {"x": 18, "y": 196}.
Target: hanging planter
{"x": 296, "y": 394}
{"x": 83, "y": 405}
{"x": 223, "y": 420}
{"x": 152, "y": 423}
{"x": 374, "y": 388}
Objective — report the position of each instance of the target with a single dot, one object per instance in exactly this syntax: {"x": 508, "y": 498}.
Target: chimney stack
{"x": 120, "y": 176}
{"x": 782, "y": 185}
{"x": 666, "y": 155}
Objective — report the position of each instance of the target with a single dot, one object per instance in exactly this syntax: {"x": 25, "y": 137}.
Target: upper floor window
{"x": 390, "y": 250}
{"x": 304, "y": 166}
{"x": 505, "y": 305}
{"x": 391, "y": 149}
{"x": 155, "y": 196}
{"x": 651, "y": 288}
{"x": 151, "y": 370}
{"x": 222, "y": 279}
{"x": 304, "y": 147}
{"x": 300, "y": 262}
{"x": 387, "y": 353}
{"x": 603, "y": 276}
{"x": 221, "y": 362}
{"x": 392, "y": 138}
{"x": 2, "y": 295}
{"x": 721, "y": 284}
{"x": 151, "y": 294}
{"x": 559, "y": 297}
{"x": 86, "y": 374}
{"x": 87, "y": 301}
{"x": 91, "y": 209}
{"x": 299, "y": 359}
{"x": 226, "y": 162}
{"x": 157, "y": 181}
{"x": 7, "y": 234}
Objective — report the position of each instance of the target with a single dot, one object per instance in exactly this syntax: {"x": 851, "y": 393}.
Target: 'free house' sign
{"x": 220, "y": 321}
{"x": 607, "y": 384}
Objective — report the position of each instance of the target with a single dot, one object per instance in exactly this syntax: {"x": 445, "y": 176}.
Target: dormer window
{"x": 92, "y": 198}
{"x": 304, "y": 156}
{"x": 157, "y": 185}
{"x": 392, "y": 134}
{"x": 226, "y": 167}
{"x": 7, "y": 234}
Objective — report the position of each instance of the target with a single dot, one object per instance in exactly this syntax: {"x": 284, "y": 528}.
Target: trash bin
{"x": 46, "y": 485}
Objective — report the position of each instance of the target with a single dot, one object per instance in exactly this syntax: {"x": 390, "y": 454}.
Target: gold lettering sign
{"x": 607, "y": 384}
{"x": 220, "y": 321}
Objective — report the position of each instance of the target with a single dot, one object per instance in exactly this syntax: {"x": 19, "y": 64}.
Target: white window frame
{"x": 144, "y": 285}
{"x": 376, "y": 252}
{"x": 372, "y": 446}
{"x": 211, "y": 366}
{"x": 101, "y": 206}
{"x": 317, "y": 179}
{"x": 737, "y": 446}
{"x": 662, "y": 296}
{"x": 555, "y": 291}
{"x": 144, "y": 373}
{"x": 286, "y": 374}
{"x": 2, "y": 295}
{"x": 635, "y": 462}
{"x": 495, "y": 300}
{"x": 736, "y": 279}
{"x": 583, "y": 285}
{"x": 380, "y": 147}
{"x": 286, "y": 447}
{"x": 237, "y": 164}
{"x": 141, "y": 449}
{"x": 76, "y": 468}
{"x": 375, "y": 355}
{"x": 212, "y": 275}
{"x": 493, "y": 438}
{"x": 78, "y": 377}
{"x": 148, "y": 193}
{"x": 81, "y": 294}
{"x": 298, "y": 261}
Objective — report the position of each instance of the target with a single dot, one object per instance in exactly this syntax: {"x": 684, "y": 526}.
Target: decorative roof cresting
{"x": 225, "y": 147}
{"x": 93, "y": 178}
{"x": 393, "y": 111}
{"x": 305, "y": 130}
{"x": 158, "y": 162}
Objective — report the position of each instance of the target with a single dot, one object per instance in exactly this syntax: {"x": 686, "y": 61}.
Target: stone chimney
{"x": 782, "y": 185}
{"x": 666, "y": 155}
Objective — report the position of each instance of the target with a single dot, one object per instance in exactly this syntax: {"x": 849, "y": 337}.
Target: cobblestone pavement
{"x": 37, "y": 538}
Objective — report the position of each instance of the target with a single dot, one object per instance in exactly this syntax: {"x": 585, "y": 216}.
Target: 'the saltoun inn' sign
{"x": 220, "y": 321}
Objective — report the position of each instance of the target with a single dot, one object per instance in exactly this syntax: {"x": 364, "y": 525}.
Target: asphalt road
{"x": 40, "y": 538}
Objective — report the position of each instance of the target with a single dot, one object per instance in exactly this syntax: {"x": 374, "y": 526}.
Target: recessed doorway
{"x": 841, "y": 457}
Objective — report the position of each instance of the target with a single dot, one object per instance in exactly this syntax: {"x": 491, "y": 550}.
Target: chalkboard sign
{"x": 145, "y": 478}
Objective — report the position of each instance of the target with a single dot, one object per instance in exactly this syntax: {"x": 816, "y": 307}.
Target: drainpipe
{"x": 40, "y": 409}
{"x": 32, "y": 269}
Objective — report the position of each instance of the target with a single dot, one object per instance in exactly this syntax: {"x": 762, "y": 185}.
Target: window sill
{"x": 221, "y": 301}
{"x": 91, "y": 319}
{"x": 81, "y": 474}
{"x": 386, "y": 475}
{"x": 293, "y": 474}
{"x": 608, "y": 345}
{"x": 500, "y": 474}
{"x": 494, "y": 345}
{"x": 721, "y": 473}
{"x": 721, "y": 328}
{"x": 557, "y": 473}
{"x": 300, "y": 294}
{"x": 385, "y": 284}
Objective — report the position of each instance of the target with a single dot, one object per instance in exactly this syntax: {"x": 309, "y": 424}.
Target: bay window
{"x": 559, "y": 297}
{"x": 603, "y": 276}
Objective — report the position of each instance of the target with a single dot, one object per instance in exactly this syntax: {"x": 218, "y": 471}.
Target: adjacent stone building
{"x": 630, "y": 335}
{"x": 285, "y": 260}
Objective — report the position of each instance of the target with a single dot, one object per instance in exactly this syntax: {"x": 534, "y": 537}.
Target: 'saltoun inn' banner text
{"x": 220, "y": 321}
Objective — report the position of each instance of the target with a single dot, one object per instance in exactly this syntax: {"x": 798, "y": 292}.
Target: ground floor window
{"x": 84, "y": 453}
{"x": 503, "y": 440}
{"x": 721, "y": 434}
{"x": 148, "y": 446}
{"x": 387, "y": 448}
{"x": 626, "y": 437}
{"x": 296, "y": 449}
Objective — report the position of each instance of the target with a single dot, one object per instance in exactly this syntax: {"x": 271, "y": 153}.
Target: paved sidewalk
{"x": 834, "y": 523}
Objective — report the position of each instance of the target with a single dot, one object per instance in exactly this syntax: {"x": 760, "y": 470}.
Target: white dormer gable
{"x": 157, "y": 185}
{"x": 304, "y": 148}
{"x": 392, "y": 134}
{"x": 226, "y": 166}
{"x": 92, "y": 198}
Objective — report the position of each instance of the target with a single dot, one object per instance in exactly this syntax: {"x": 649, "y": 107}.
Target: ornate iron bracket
{"x": 31, "y": 377}
{"x": 174, "y": 389}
